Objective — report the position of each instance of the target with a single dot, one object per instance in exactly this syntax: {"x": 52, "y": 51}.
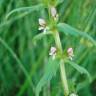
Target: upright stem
{"x": 62, "y": 67}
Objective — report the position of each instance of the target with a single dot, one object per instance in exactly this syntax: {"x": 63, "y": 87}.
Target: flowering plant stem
{"x": 62, "y": 66}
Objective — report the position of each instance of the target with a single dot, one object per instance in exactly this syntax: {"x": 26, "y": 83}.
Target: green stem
{"x": 62, "y": 67}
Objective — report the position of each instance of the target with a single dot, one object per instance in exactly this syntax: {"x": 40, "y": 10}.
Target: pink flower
{"x": 43, "y": 26}
{"x": 42, "y": 22}
{"x": 53, "y": 52}
{"x": 54, "y": 13}
{"x": 70, "y": 53}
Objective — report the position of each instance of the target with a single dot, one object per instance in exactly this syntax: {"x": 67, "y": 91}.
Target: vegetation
{"x": 47, "y": 48}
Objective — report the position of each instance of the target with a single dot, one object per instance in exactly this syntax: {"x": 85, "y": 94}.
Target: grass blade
{"x": 32, "y": 8}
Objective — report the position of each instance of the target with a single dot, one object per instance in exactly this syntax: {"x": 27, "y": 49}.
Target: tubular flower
{"x": 54, "y": 13}
{"x": 70, "y": 53}
{"x": 53, "y": 52}
{"x": 43, "y": 26}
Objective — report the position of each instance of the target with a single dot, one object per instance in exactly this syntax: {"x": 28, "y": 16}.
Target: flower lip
{"x": 73, "y": 94}
{"x": 41, "y": 28}
{"x": 42, "y": 22}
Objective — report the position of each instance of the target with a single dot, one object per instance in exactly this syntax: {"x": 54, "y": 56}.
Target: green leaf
{"x": 17, "y": 60}
{"x": 50, "y": 71}
{"x": 59, "y": 2}
{"x": 40, "y": 36}
{"x": 31, "y": 8}
{"x": 68, "y": 30}
{"x": 80, "y": 69}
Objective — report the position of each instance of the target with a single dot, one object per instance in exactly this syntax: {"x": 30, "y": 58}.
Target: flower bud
{"x": 53, "y": 12}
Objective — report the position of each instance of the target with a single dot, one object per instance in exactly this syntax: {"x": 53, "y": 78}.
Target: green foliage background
{"x": 22, "y": 60}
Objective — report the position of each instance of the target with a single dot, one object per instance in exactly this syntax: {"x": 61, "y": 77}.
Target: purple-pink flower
{"x": 53, "y": 52}
{"x": 70, "y": 53}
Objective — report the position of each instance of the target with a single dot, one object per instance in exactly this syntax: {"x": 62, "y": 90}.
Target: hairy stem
{"x": 62, "y": 67}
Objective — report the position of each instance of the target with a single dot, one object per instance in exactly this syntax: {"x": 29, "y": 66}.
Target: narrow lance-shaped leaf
{"x": 79, "y": 69}
{"x": 50, "y": 71}
{"x": 68, "y": 30}
{"x": 31, "y": 8}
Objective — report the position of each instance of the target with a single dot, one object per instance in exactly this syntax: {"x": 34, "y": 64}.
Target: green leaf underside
{"x": 50, "y": 70}
{"x": 68, "y": 30}
{"x": 80, "y": 69}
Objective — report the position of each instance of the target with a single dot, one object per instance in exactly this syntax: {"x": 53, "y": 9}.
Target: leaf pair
{"x": 50, "y": 71}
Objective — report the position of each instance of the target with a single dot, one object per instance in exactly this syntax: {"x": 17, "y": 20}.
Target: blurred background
{"x": 22, "y": 60}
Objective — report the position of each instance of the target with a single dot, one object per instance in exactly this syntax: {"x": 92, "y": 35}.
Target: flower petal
{"x": 42, "y": 22}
